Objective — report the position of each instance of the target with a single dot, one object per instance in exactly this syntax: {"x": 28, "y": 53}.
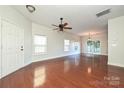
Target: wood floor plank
{"x": 77, "y": 71}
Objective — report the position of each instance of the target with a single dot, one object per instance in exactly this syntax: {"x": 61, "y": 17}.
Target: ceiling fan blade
{"x": 65, "y": 24}
{"x": 55, "y": 25}
{"x": 56, "y": 29}
{"x": 67, "y": 27}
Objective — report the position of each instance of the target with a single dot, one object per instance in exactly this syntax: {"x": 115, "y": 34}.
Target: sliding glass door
{"x": 93, "y": 47}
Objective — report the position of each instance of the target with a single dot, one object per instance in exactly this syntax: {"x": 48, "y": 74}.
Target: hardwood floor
{"x": 78, "y": 71}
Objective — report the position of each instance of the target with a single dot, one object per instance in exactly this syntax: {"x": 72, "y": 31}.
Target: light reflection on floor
{"x": 39, "y": 76}
{"x": 89, "y": 70}
{"x": 66, "y": 65}
{"x": 76, "y": 60}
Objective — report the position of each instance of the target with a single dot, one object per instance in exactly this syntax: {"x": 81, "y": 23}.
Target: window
{"x": 40, "y": 44}
{"x": 66, "y": 45}
{"x": 97, "y": 47}
{"x": 76, "y": 46}
{"x": 93, "y": 47}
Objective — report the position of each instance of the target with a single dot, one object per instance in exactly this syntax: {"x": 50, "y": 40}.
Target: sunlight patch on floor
{"x": 39, "y": 76}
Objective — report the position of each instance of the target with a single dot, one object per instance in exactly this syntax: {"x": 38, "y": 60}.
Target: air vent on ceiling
{"x": 103, "y": 13}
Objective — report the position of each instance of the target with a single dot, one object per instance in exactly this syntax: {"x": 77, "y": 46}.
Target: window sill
{"x": 66, "y": 51}
{"x": 37, "y": 54}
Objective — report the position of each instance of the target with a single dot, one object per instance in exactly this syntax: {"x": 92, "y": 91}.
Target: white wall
{"x": 55, "y": 41}
{"x": 116, "y": 41}
{"x": 7, "y": 12}
{"x": 0, "y": 50}
{"x": 103, "y": 37}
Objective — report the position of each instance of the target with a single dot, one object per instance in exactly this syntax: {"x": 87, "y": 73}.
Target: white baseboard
{"x": 16, "y": 69}
{"x": 28, "y": 63}
{"x": 48, "y": 58}
{"x": 96, "y": 54}
{"x": 114, "y": 64}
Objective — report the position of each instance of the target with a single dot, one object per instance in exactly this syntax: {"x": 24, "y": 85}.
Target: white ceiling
{"x": 80, "y": 18}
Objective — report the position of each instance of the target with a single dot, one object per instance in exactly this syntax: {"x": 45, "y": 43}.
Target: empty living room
{"x": 61, "y": 46}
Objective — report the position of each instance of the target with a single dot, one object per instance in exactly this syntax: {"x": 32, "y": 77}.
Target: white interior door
{"x": 12, "y": 48}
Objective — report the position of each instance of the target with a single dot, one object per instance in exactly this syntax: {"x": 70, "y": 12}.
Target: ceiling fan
{"x": 61, "y": 26}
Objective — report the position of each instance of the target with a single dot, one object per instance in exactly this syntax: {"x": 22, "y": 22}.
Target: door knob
{"x": 22, "y": 48}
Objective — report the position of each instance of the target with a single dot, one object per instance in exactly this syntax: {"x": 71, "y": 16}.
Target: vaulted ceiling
{"x": 80, "y": 18}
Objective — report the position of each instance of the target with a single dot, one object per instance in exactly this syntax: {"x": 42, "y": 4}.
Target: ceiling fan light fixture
{"x": 89, "y": 38}
{"x": 30, "y": 8}
{"x": 62, "y": 26}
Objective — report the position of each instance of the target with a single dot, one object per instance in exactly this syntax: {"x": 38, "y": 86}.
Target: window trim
{"x": 67, "y": 45}
{"x": 40, "y": 53}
